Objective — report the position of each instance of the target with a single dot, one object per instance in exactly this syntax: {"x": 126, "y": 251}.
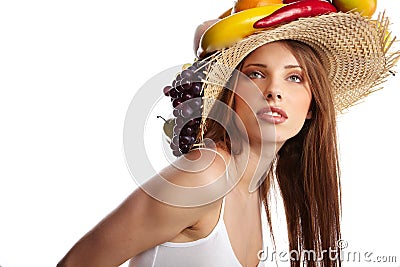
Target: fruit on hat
{"x": 364, "y": 7}
{"x": 235, "y": 23}
{"x": 241, "y": 5}
{"x": 233, "y": 28}
{"x": 295, "y": 10}
{"x": 200, "y": 31}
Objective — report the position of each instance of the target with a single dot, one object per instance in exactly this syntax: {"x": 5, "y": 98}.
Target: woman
{"x": 282, "y": 129}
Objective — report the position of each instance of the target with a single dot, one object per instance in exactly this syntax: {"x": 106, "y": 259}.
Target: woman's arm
{"x": 140, "y": 223}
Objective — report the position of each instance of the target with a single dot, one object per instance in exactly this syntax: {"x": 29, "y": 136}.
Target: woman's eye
{"x": 255, "y": 75}
{"x": 295, "y": 78}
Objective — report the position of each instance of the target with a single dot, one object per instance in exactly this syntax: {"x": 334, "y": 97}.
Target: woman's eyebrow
{"x": 293, "y": 66}
{"x": 265, "y": 66}
{"x": 255, "y": 65}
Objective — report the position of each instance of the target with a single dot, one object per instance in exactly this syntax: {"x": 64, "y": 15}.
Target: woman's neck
{"x": 252, "y": 164}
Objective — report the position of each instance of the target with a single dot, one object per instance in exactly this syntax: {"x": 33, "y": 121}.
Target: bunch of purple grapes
{"x": 186, "y": 97}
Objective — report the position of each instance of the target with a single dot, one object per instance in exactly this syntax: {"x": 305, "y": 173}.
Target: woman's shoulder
{"x": 195, "y": 179}
{"x": 199, "y": 167}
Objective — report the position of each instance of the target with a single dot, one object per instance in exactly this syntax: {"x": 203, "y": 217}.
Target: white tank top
{"x": 214, "y": 250}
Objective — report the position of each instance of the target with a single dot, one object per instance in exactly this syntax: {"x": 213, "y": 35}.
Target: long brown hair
{"x": 306, "y": 168}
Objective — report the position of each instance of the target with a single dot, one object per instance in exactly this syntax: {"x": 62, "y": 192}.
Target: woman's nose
{"x": 274, "y": 95}
{"x": 272, "y": 88}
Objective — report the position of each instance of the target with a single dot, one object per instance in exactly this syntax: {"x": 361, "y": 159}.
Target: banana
{"x": 233, "y": 28}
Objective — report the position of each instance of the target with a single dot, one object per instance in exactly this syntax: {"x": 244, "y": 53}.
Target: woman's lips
{"x": 273, "y": 115}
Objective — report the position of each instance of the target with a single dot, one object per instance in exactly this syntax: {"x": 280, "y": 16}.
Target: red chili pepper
{"x": 292, "y": 1}
{"x": 293, "y": 11}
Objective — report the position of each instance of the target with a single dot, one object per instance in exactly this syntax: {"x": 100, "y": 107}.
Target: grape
{"x": 176, "y": 102}
{"x": 195, "y": 121}
{"x": 175, "y": 140}
{"x": 167, "y": 89}
{"x": 173, "y": 93}
{"x": 196, "y": 88}
{"x": 187, "y": 74}
{"x": 192, "y": 68}
{"x": 177, "y": 153}
{"x": 177, "y": 129}
{"x": 187, "y": 86}
{"x": 178, "y": 87}
{"x": 179, "y": 121}
{"x": 186, "y": 96}
{"x": 175, "y": 112}
{"x": 195, "y": 103}
{"x": 188, "y": 130}
{"x": 186, "y": 111}
{"x": 173, "y": 146}
{"x": 186, "y": 140}
{"x": 197, "y": 65}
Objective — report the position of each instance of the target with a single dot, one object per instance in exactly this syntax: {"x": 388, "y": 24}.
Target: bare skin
{"x": 141, "y": 222}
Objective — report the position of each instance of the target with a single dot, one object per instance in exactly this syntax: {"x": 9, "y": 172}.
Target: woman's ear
{"x": 309, "y": 115}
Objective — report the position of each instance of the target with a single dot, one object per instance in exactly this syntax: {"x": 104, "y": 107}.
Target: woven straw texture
{"x": 355, "y": 51}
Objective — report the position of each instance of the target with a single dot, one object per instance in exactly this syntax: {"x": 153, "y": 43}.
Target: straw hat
{"x": 355, "y": 50}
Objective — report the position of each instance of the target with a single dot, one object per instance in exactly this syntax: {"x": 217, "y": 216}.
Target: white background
{"x": 68, "y": 71}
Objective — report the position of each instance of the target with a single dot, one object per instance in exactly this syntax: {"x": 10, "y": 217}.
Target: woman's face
{"x": 279, "y": 104}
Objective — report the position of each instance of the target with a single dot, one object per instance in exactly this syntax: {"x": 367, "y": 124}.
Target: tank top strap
{"x": 221, "y": 214}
